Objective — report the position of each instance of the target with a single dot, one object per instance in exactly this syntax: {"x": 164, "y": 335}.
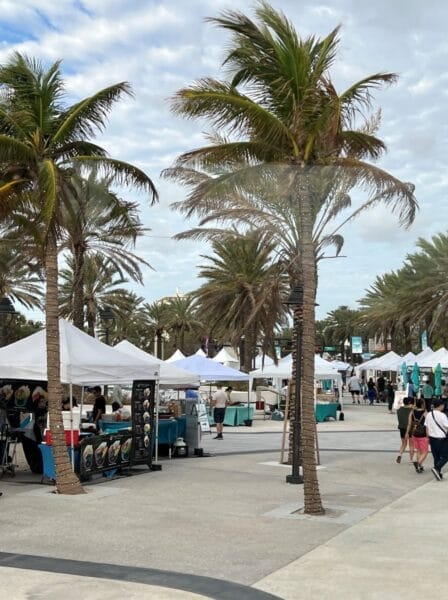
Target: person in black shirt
{"x": 99, "y": 407}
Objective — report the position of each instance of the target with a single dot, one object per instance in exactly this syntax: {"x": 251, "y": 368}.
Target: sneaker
{"x": 420, "y": 469}
{"x": 436, "y": 474}
{"x": 416, "y": 466}
{"x": 218, "y": 437}
{"x": 398, "y": 459}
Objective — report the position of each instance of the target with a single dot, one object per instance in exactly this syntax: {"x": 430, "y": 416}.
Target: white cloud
{"x": 160, "y": 46}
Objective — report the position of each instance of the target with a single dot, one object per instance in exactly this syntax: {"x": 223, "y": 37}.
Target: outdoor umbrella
{"x": 404, "y": 375}
{"x": 438, "y": 380}
{"x": 415, "y": 377}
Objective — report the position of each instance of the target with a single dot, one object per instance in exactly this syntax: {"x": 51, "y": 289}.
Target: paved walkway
{"x": 227, "y": 527}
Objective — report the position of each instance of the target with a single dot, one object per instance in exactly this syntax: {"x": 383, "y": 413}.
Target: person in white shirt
{"x": 354, "y": 387}
{"x": 219, "y": 401}
{"x": 436, "y": 424}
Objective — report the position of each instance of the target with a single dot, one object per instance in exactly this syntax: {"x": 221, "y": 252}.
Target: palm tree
{"x": 342, "y": 323}
{"x": 182, "y": 318}
{"x": 40, "y": 137}
{"x": 95, "y": 220}
{"x": 155, "y": 318}
{"x": 102, "y": 286}
{"x": 243, "y": 291}
{"x": 16, "y": 281}
{"x": 291, "y": 124}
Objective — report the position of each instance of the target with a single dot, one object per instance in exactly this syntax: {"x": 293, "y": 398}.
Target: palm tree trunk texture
{"x": 78, "y": 289}
{"x": 312, "y": 499}
{"x": 249, "y": 344}
{"x": 66, "y": 481}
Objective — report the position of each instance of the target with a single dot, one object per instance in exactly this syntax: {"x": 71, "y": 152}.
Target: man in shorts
{"x": 403, "y": 413}
{"x": 354, "y": 387}
{"x": 219, "y": 401}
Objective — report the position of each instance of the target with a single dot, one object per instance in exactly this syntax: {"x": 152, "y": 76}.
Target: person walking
{"x": 403, "y": 421}
{"x": 417, "y": 432}
{"x": 354, "y": 387}
{"x": 371, "y": 391}
{"x": 390, "y": 393}
{"x": 219, "y": 401}
{"x": 427, "y": 393}
{"x": 381, "y": 388}
{"x": 436, "y": 423}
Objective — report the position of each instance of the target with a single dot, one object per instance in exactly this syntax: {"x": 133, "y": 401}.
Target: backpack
{"x": 418, "y": 427}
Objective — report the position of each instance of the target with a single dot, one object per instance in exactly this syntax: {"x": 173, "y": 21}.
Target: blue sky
{"x": 160, "y": 46}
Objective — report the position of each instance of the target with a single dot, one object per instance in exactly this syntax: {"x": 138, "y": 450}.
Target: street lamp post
{"x": 108, "y": 317}
{"x": 295, "y": 300}
{"x": 7, "y": 312}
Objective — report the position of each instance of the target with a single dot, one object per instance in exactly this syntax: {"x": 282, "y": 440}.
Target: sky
{"x": 161, "y": 46}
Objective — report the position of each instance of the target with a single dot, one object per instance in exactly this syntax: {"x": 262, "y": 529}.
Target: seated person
{"x": 121, "y": 413}
{"x": 66, "y": 403}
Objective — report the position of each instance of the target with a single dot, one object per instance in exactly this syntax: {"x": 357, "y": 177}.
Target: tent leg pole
{"x": 285, "y": 422}
{"x": 71, "y": 429}
{"x": 156, "y": 452}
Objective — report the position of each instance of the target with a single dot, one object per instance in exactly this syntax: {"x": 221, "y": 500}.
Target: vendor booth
{"x": 210, "y": 371}
{"x": 323, "y": 370}
{"x": 85, "y": 361}
{"x": 168, "y": 430}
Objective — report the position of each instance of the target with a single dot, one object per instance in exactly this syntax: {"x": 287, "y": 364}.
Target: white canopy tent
{"x": 176, "y": 356}
{"x": 424, "y": 354}
{"x": 391, "y": 361}
{"x": 227, "y": 359}
{"x": 259, "y": 364}
{"x": 170, "y": 376}
{"x": 283, "y": 370}
{"x": 439, "y": 356}
{"x": 200, "y": 352}
{"x": 84, "y": 360}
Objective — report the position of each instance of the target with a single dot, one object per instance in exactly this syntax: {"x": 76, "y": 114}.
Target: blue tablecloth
{"x": 48, "y": 460}
{"x": 325, "y": 411}
{"x": 170, "y": 429}
{"x": 235, "y": 415}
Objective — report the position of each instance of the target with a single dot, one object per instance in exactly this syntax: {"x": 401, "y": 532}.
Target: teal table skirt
{"x": 326, "y": 411}
{"x": 235, "y": 415}
{"x": 169, "y": 429}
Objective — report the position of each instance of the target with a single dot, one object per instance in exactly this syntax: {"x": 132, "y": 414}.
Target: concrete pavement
{"x": 203, "y": 524}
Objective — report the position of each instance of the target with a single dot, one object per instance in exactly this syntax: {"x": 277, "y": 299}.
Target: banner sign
{"x": 142, "y": 404}
{"x": 356, "y": 344}
{"x": 424, "y": 340}
{"x": 99, "y": 453}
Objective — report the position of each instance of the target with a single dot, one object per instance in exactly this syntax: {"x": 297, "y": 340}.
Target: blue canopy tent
{"x": 210, "y": 371}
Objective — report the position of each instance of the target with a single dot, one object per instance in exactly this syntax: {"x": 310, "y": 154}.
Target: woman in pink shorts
{"x": 417, "y": 433}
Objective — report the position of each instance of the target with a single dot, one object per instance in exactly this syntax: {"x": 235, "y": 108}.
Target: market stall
{"x": 171, "y": 377}
{"x": 323, "y": 370}
{"x": 86, "y": 361}
{"x": 210, "y": 371}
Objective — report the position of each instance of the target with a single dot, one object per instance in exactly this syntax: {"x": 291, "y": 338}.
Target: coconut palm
{"x": 341, "y": 324}
{"x": 290, "y": 123}
{"x": 102, "y": 286}
{"x": 95, "y": 220}
{"x": 155, "y": 317}
{"x": 40, "y": 137}
{"x": 16, "y": 280}
{"x": 243, "y": 291}
{"x": 182, "y": 318}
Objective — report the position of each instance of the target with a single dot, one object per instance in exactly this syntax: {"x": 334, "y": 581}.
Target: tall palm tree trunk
{"x": 78, "y": 288}
{"x": 296, "y": 330}
{"x": 312, "y": 499}
{"x": 66, "y": 481}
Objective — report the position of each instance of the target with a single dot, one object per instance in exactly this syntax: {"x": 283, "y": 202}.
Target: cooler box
{"x": 68, "y": 437}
